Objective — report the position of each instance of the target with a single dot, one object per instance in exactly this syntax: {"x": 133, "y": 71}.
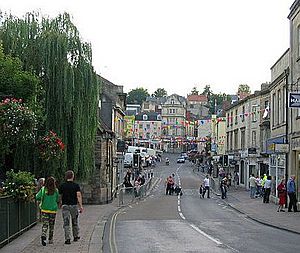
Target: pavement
{"x": 239, "y": 199}
{"x": 91, "y": 222}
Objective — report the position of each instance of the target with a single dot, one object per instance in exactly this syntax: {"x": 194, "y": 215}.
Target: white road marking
{"x": 206, "y": 235}
{"x": 179, "y": 209}
{"x": 181, "y": 215}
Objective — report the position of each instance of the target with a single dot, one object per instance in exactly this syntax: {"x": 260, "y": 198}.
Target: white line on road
{"x": 179, "y": 209}
{"x": 181, "y": 215}
{"x": 206, "y": 235}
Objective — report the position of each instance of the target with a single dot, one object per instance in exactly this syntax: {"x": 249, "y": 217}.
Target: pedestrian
{"x": 236, "y": 179}
{"x": 151, "y": 172}
{"x": 291, "y": 190}
{"x": 170, "y": 184}
{"x": 206, "y": 186}
{"x": 201, "y": 190}
{"x": 49, "y": 201}
{"x": 223, "y": 187}
{"x": 282, "y": 195}
{"x": 267, "y": 189}
{"x": 71, "y": 200}
{"x": 252, "y": 182}
{"x": 258, "y": 186}
{"x": 40, "y": 183}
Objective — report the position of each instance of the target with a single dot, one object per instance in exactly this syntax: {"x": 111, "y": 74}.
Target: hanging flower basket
{"x": 51, "y": 146}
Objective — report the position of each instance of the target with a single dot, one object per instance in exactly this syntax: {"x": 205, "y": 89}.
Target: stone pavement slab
{"x": 91, "y": 221}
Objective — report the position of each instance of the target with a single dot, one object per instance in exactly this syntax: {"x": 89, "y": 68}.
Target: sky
{"x": 176, "y": 44}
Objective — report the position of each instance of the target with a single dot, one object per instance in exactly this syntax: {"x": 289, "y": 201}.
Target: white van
{"x": 128, "y": 159}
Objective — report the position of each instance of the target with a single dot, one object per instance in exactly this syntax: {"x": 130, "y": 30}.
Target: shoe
{"x": 278, "y": 210}
{"x": 43, "y": 239}
{"x": 282, "y": 210}
{"x": 50, "y": 241}
{"x": 68, "y": 241}
{"x": 76, "y": 238}
{"x": 289, "y": 211}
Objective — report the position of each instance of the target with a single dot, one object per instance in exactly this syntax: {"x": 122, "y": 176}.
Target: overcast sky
{"x": 177, "y": 44}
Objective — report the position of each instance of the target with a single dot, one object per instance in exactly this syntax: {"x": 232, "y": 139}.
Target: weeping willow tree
{"x": 54, "y": 51}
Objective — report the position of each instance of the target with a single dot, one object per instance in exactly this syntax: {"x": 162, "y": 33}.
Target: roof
{"x": 152, "y": 116}
{"x": 197, "y": 98}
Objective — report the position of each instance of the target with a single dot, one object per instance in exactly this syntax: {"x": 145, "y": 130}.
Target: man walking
{"x": 291, "y": 190}
{"x": 71, "y": 199}
{"x": 206, "y": 186}
{"x": 252, "y": 182}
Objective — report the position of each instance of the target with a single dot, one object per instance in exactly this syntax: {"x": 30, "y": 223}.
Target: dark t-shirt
{"x": 69, "y": 190}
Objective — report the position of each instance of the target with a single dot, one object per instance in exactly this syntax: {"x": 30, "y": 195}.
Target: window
{"x": 236, "y": 116}
{"x": 145, "y": 117}
{"x": 146, "y": 106}
{"x": 254, "y": 113}
{"x": 243, "y": 113}
{"x": 243, "y": 138}
{"x": 231, "y": 118}
{"x": 253, "y": 138}
{"x": 172, "y": 111}
{"x": 227, "y": 119}
{"x": 191, "y": 106}
{"x": 298, "y": 40}
{"x": 158, "y": 117}
{"x": 236, "y": 139}
{"x": 140, "y": 126}
{"x": 172, "y": 102}
{"x": 279, "y": 106}
{"x": 273, "y": 109}
{"x": 227, "y": 140}
{"x": 148, "y": 126}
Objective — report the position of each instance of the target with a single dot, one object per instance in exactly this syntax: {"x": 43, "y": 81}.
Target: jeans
{"x": 252, "y": 192}
{"x": 267, "y": 195}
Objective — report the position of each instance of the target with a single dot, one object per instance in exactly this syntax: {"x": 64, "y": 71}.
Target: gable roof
{"x": 197, "y": 98}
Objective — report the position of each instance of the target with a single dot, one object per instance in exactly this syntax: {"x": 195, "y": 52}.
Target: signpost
{"x": 294, "y": 100}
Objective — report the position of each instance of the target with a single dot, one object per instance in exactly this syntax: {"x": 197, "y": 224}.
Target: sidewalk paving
{"x": 92, "y": 222}
{"x": 239, "y": 199}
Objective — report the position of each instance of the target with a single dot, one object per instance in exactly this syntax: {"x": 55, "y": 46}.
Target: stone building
{"x": 147, "y": 129}
{"x": 242, "y": 137}
{"x": 277, "y": 89}
{"x": 108, "y": 161}
{"x": 294, "y": 86}
{"x": 173, "y": 122}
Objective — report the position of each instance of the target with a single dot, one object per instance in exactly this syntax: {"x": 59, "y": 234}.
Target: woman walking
{"x": 49, "y": 198}
{"x": 282, "y": 195}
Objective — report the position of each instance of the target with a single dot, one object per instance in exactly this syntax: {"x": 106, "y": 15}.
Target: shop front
{"x": 295, "y": 166}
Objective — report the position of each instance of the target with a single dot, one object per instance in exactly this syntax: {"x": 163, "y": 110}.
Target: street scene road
{"x": 188, "y": 223}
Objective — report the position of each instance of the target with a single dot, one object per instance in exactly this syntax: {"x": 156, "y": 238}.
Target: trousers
{"x": 70, "y": 217}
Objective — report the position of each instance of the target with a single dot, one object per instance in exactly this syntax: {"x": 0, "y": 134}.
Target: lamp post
{"x": 286, "y": 73}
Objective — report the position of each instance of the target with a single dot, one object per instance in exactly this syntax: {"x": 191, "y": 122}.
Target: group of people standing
{"x": 261, "y": 187}
{"x": 67, "y": 197}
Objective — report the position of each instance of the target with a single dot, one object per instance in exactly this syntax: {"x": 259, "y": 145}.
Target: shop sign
{"x": 281, "y": 148}
{"x": 251, "y": 151}
{"x": 294, "y": 100}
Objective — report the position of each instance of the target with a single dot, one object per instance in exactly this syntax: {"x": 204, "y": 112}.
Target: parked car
{"x": 180, "y": 159}
{"x": 184, "y": 155}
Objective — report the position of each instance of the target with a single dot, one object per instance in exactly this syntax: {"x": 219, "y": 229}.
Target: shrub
{"x": 19, "y": 185}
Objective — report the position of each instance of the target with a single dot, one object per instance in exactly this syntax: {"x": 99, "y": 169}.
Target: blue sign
{"x": 294, "y": 100}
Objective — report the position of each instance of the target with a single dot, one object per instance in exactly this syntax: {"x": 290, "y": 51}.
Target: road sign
{"x": 294, "y": 100}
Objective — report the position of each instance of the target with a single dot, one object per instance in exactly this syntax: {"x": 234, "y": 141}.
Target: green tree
{"x": 137, "y": 96}
{"x": 160, "y": 92}
{"x": 194, "y": 91}
{"x": 207, "y": 91}
{"x": 54, "y": 51}
{"x": 244, "y": 88}
{"x": 15, "y": 82}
